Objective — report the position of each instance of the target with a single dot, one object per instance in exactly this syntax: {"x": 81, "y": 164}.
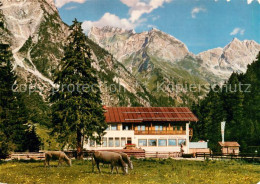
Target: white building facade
{"x": 152, "y": 129}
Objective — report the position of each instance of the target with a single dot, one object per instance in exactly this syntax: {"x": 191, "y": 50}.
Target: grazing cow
{"x": 127, "y": 160}
{"x": 112, "y": 158}
{"x": 56, "y": 155}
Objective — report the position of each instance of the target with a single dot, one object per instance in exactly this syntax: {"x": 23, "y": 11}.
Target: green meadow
{"x": 145, "y": 171}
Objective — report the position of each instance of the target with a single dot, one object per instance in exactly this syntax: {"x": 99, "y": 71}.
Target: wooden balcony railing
{"x": 162, "y": 132}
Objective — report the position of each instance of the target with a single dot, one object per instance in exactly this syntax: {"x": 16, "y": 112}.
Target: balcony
{"x": 162, "y": 132}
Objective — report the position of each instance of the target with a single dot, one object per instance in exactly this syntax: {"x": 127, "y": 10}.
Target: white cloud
{"x": 108, "y": 20}
{"x": 138, "y": 7}
{"x": 248, "y": 1}
{"x": 237, "y": 30}
{"x": 60, "y": 3}
{"x": 196, "y": 10}
{"x": 71, "y": 7}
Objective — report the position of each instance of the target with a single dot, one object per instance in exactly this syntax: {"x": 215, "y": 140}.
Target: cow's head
{"x": 131, "y": 165}
{"x": 125, "y": 169}
{"x": 69, "y": 162}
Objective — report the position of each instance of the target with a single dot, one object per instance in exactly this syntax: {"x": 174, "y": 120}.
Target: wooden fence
{"x": 162, "y": 154}
{"x": 242, "y": 156}
{"x": 140, "y": 154}
{"x": 27, "y": 156}
{"x": 130, "y": 153}
{"x": 88, "y": 154}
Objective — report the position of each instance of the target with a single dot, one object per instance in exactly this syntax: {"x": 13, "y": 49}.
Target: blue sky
{"x": 200, "y": 24}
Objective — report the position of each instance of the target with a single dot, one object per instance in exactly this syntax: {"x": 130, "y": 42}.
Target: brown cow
{"x": 127, "y": 160}
{"x": 56, "y": 155}
{"x": 112, "y": 158}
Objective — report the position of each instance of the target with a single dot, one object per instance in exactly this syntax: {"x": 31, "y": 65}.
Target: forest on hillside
{"x": 238, "y": 103}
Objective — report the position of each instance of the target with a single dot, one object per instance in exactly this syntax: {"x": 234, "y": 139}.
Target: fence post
{"x": 156, "y": 154}
{"x": 204, "y": 156}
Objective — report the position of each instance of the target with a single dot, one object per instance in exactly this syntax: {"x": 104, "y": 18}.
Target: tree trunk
{"x": 79, "y": 145}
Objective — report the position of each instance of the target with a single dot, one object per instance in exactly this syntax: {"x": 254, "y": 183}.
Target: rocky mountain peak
{"x": 235, "y": 39}
{"x": 234, "y": 44}
{"x": 109, "y": 31}
{"x": 117, "y": 30}
{"x": 124, "y": 43}
{"x": 52, "y": 4}
{"x": 234, "y": 57}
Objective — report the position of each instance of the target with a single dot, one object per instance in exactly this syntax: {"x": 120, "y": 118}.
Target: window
{"x": 117, "y": 142}
{"x": 92, "y": 143}
{"x": 111, "y": 142}
{"x": 142, "y": 142}
{"x": 141, "y": 127}
{"x": 104, "y": 142}
{"x": 158, "y": 128}
{"x": 127, "y": 127}
{"x": 162, "y": 142}
{"x": 113, "y": 127}
{"x": 152, "y": 142}
{"x": 182, "y": 141}
{"x": 172, "y": 142}
{"x": 178, "y": 128}
{"x": 129, "y": 140}
{"x": 123, "y": 142}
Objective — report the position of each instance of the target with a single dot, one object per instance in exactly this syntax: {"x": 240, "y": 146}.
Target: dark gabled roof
{"x": 145, "y": 114}
{"x": 228, "y": 144}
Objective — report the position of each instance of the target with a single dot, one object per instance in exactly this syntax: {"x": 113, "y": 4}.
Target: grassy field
{"x": 145, "y": 171}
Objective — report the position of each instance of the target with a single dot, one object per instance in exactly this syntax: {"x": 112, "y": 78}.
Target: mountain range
{"x": 134, "y": 63}
{"x": 145, "y": 51}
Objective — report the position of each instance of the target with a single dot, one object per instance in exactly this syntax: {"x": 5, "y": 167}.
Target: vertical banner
{"x": 223, "y": 130}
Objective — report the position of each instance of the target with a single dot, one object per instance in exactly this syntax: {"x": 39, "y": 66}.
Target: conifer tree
{"x": 12, "y": 122}
{"x": 7, "y": 99}
{"x": 77, "y": 112}
{"x": 233, "y": 99}
{"x": 252, "y": 103}
{"x": 13, "y": 114}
